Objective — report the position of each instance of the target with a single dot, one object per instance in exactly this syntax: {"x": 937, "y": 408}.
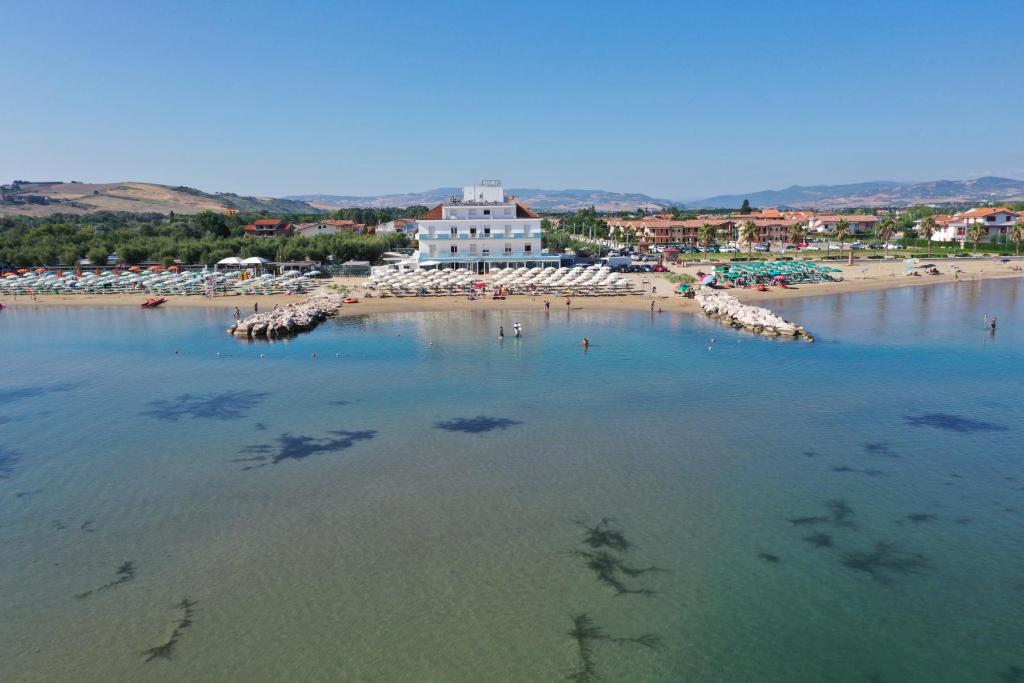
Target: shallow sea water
{"x": 413, "y": 503}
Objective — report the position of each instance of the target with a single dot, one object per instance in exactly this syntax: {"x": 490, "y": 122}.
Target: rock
{"x": 291, "y": 319}
{"x": 731, "y": 311}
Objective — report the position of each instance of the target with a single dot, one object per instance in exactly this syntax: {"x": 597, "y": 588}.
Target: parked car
{"x": 894, "y": 246}
{"x": 762, "y": 246}
{"x": 729, "y": 250}
{"x": 835, "y": 245}
{"x": 658, "y": 268}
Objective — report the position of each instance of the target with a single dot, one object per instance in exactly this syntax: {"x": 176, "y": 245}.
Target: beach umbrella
{"x": 40, "y": 270}
{"x": 154, "y": 269}
{"x": 135, "y": 269}
{"x": 22, "y": 271}
{"x": 255, "y": 261}
{"x": 708, "y": 279}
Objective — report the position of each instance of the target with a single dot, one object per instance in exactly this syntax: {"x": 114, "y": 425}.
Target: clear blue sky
{"x": 675, "y": 99}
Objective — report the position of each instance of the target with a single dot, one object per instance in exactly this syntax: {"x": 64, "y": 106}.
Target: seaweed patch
{"x": 819, "y": 540}
{"x": 952, "y": 423}
{"x": 165, "y": 649}
{"x": 228, "y": 405}
{"x": 290, "y": 447}
{"x": 1012, "y": 674}
{"x": 607, "y": 568}
{"x": 124, "y": 574}
{"x": 840, "y": 515}
{"x": 884, "y": 560}
{"x": 585, "y": 632}
{"x": 604, "y": 536}
{"x": 868, "y": 472}
{"x": 880, "y": 448}
{"x": 15, "y": 395}
{"x": 476, "y": 425}
{"x": 8, "y": 461}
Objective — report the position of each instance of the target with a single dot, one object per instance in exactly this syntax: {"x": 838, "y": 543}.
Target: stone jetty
{"x": 292, "y": 319}
{"x": 732, "y": 311}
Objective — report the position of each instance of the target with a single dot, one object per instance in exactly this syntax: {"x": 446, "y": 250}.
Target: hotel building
{"x": 481, "y": 230}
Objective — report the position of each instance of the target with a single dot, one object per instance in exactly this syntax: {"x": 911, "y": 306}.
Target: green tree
{"x": 98, "y": 255}
{"x": 1017, "y": 235}
{"x": 977, "y": 233}
{"x": 745, "y": 208}
{"x": 796, "y": 232}
{"x": 926, "y": 230}
{"x": 886, "y": 229}
{"x": 842, "y": 232}
{"x": 748, "y": 233}
{"x": 706, "y": 235}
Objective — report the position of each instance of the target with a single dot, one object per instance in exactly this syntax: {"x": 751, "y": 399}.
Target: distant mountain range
{"x": 45, "y": 198}
{"x": 876, "y": 194}
{"x": 543, "y": 200}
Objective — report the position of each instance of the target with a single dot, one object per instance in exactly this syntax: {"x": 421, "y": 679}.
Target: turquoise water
{"x": 414, "y": 503}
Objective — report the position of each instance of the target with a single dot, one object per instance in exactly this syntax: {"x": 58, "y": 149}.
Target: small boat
{"x": 153, "y": 302}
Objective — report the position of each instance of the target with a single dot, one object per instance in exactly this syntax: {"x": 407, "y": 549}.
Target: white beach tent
{"x": 254, "y": 261}
{"x": 229, "y": 261}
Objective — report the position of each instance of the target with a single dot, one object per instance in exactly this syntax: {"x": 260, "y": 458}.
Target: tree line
{"x": 203, "y": 238}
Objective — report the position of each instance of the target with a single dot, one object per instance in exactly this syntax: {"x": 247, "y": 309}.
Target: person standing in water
{"x": 586, "y": 344}
{"x": 501, "y": 332}
{"x": 992, "y": 324}
{"x": 517, "y": 329}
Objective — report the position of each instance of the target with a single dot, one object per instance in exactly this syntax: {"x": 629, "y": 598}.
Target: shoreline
{"x": 863, "y": 277}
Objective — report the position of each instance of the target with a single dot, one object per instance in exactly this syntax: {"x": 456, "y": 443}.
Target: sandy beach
{"x": 862, "y": 276}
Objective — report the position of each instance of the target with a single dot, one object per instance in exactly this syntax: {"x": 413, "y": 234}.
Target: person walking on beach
{"x": 652, "y": 305}
{"x": 547, "y": 306}
{"x": 238, "y": 314}
{"x": 256, "y": 307}
{"x": 568, "y": 301}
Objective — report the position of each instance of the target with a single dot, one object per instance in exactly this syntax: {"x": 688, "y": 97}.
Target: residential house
{"x": 859, "y": 224}
{"x": 405, "y": 226}
{"x": 268, "y": 227}
{"x": 996, "y": 220}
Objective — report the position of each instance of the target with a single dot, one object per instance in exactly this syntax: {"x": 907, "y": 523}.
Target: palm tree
{"x": 977, "y": 233}
{"x": 796, "y": 232}
{"x": 748, "y": 233}
{"x": 706, "y": 235}
{"x": 928, "y": 229}
{"x": 886, "y": 229}
{"x": 1017, "y": 234}
{"x": 842, "y": 232}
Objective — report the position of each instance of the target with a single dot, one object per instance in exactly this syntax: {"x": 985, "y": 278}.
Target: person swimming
{"x": 586, "y": 344}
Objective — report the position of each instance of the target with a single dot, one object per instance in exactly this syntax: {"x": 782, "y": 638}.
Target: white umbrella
{"x": 230, "y": 261}
{"x": 254, "y": 261}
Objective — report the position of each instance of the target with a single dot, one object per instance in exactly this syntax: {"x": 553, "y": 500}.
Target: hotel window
{"x": 528, "y": 248}
{"x": 508, "y": 248}
{"x": 487, "y": 252}
{"x": 454, "y": 232}
{"x": 487, "y": 232}
{"x": 472, "y": 232}
{"x": 454, "y": 249}
{"x": 487, "y": 212}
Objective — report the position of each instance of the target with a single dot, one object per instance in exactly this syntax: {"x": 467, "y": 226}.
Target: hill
{"x": 877, "y": 194}
{"x": 543, "y": 200}
{"x": 43, "y": 198}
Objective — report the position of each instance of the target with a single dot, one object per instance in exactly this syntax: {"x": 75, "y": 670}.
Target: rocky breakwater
{"x": 732, "y": 311}
{"x": 292, "y": 319}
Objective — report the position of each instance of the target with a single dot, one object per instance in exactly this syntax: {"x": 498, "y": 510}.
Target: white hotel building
{"x": 481, "y": 230}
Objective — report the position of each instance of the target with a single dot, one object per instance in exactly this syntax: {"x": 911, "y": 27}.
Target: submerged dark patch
{"x": 586, "y": 633}
{"x": 1012, "y": 674}
{"x": 289, "y": 447}
{"x": 880, "y": 448}
{"x": 819, "y": 540}
{"x": 607, "y": 567}
{"x": 952, "y": 423}
{"x": 919, "y": 517}
{"x": 8, "y": 461}
{"x": 884, "y": 560}
{"x": 124, "y": 574}
{"x": 769, "y": 557}
{"x": 604, "y": 536}
{"x": 165, "y": 649}
{"x": 21, "y": 393}
{"x": 840, "y": 514}
{"x": 868, "y": 472}
{"x": 227, "y": 405}
{"x": 476, "y": 425}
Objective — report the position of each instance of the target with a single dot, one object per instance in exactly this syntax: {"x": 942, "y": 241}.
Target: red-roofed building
{"x": 957, "y": 228}
{"x": 858, "y": 223}
{"x": 268, "y": 227}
